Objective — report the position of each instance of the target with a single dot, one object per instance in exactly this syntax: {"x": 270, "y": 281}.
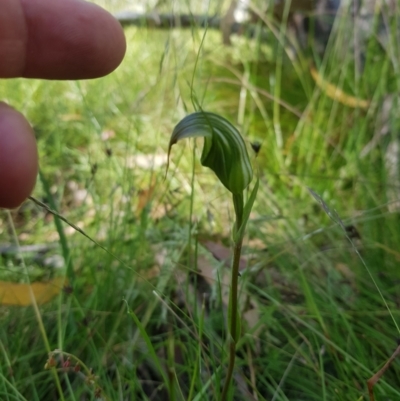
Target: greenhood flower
{"x": 224, "y": 150}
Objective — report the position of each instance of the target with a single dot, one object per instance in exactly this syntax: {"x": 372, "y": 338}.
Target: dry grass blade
{"x": 335, "y": 93}
{"x": 375, "y": 378}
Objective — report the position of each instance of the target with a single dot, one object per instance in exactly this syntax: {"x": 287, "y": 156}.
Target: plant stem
{"x": 233, "y": 295}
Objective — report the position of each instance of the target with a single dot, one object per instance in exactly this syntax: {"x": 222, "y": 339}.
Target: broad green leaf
{"x": 224, "y": 150}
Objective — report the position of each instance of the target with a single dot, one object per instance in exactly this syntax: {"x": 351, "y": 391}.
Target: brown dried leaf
{"x": 144, "y": 197}
{"x": 20, "y": 294}
{"x": 223, "y": 254}
{"x": 345, "y": 271}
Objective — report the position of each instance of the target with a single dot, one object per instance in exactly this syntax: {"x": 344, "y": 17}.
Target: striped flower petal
{"x": 224, "y": 150}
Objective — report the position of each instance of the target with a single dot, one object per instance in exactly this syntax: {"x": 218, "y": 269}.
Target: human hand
{"x": 68, "y": 39}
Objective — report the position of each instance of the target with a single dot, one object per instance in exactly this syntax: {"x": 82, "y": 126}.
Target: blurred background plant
{"x": 316, "y": 325}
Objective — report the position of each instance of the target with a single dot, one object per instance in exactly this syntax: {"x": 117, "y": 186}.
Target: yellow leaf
{"x": 20, "y": 294}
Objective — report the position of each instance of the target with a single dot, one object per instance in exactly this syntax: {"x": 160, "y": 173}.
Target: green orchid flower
{"x": 224, "y": 150}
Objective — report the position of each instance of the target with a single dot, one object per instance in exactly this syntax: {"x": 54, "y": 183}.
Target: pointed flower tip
{"x": 224, "y": 150}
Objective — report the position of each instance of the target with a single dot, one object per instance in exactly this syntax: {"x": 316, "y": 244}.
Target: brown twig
{"x": 375, "y": 378}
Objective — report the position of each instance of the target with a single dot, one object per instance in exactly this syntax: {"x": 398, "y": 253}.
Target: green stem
{"x": 233, "y": 295}
{"x": 60, "y": 229}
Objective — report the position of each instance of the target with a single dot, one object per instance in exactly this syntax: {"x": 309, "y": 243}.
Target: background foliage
{"x": 319, "y": 311}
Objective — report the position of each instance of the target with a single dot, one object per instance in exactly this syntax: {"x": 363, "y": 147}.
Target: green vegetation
{"x": 148, "y": 314}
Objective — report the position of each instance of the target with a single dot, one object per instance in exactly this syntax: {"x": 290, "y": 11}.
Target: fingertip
{"x": 71, "y": 39}
{"x": 116, "y": 44}
{"x": 18, "y": 157}
{"x": 110, "y": 50}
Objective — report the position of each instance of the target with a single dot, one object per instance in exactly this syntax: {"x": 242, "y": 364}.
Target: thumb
{"x": 18, "y": 157}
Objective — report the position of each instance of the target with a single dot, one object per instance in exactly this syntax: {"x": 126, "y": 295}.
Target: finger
{"x": 68, "y": 39}
{"x": 18, "y": 157}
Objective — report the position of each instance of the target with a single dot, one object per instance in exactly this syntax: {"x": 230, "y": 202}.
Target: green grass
{"x": 322, "y": 327}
